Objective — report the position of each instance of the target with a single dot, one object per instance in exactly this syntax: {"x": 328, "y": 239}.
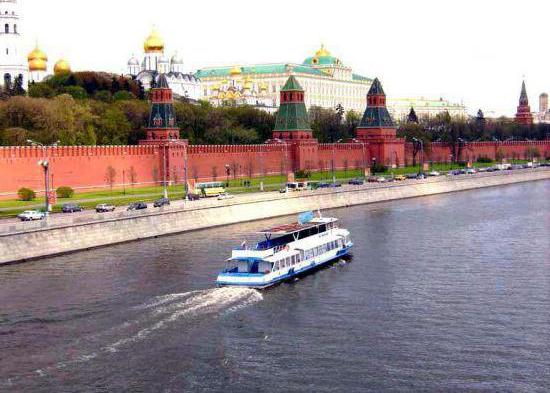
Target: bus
{"x": 210, "y": 189}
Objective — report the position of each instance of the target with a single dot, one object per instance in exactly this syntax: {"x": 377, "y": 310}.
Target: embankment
{"x": 34, "y": 240}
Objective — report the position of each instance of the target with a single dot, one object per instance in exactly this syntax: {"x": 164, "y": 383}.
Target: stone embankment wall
{"x": 33, "y": 240}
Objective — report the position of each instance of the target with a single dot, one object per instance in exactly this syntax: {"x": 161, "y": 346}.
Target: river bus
{"x": 286, "y": 252}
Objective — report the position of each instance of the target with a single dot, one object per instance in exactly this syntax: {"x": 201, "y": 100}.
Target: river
{"x": 443, "y": 293}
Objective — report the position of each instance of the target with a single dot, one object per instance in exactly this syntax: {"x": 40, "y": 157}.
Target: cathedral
{"x": 155, "y": 63}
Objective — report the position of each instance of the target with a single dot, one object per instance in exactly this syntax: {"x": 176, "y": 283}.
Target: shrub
{"x": 378, "y": 168}
{"x": 484, "y": 160}
{"x": 302, "y": 174}
{"x": 26, "y": 194}
{"x": 65, "y": 192}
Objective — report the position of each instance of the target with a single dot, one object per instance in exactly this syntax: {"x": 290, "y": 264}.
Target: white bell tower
{"x": 12, "y": 62}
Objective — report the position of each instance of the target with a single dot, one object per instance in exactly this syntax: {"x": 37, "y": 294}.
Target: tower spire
{"x": 523, "y": 114}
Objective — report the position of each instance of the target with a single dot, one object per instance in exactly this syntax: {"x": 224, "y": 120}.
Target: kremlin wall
{"x": 292, "y": 148}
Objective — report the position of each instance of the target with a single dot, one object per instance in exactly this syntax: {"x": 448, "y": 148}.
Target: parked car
{"x": 372, "y": 179}
{"x": 356, "y": 182}
{"x": 335, "y": 185}
{"x": 420, "y": 176}
{"x": 400, "y": 178}
{"x": 70, "y": 208}
{"x": 161, "y": 202}
{"x": 515, "y": 167}
{"x": 323, "y": 185}
{"x": 434, "y": 173}
{"x": 412, "y": 176}
{"x": 483, "y": 169}
{"x": 380, "y": 179}
{"x": 225, "y": 196}
{"x": 470, "y": 171}
{"x": 104, "y": 208}
{"x": 31, "y": 215}
{"x": 137, "y": 206}
{"x": 193, "y": 197}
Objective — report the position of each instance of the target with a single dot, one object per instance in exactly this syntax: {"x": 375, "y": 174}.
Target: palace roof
{"x": 263, "y": 69}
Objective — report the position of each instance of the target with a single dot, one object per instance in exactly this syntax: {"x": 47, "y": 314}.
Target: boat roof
{"x": 287, "y": 229}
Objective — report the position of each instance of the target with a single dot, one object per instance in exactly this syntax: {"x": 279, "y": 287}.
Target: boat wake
{"x": 158, "y": 314}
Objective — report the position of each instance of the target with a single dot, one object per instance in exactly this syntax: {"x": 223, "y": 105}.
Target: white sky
{"x": 474, "y": 51}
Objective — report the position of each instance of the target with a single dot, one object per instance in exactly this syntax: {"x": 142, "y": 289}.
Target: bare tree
{"x": 110, "y": 177}
{"x": 133, "y": 175}
{"x": 175, "y": 176}
{"x": 346, "y": 167}
{"x": 214, "y": 173}
{"x": 235, "y": 169}
{"x": 250, "y": 169}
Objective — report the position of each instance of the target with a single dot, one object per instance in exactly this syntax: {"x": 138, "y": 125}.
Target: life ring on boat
{"x": 287, "y": 248}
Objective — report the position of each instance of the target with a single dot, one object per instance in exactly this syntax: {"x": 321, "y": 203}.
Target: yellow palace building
{"x": 326, "y": 79}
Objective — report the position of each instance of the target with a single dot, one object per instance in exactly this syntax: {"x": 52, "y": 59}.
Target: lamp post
{"x": 421, "y": 143}
{"x": 185, "y": 185}
{"x": 364, "y": 156}
{"x": 286, "y": 157}
{"x": 164, "y": 172}
{"x": 227, "y": 173}
{"x": 45, "y": 164}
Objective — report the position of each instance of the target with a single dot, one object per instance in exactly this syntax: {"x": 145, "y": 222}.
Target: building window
{"x": 6, "y": 28}
{"x": 15, "y": 29}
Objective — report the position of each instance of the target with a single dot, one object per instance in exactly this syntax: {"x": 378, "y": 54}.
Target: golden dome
{"x": 38, "y": 60}
{"x": 263, "y": 86}
{"x": 235, "y": 71}
{"x": 153, "y": 43}
{"x": 62, "y": 67}
{"x": 322, "y": 52}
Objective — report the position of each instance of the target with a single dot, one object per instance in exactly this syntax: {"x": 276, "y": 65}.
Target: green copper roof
{"x": 292, "y": 85}
{"x": 292, "y": 116}
{"x": 258, "y": 70}
{"x": 322, "y": 60}
{"x": 376, "y": 117}
{"x": 360, "y": 78}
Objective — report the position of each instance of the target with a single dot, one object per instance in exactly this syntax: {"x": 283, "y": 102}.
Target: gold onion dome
{"x": 236, "y": 71}
{"x": 323, "y": 52}
{"x": 38, "y": 60}
{"x": 62, "y": 67}
{"x": 154, "y": 43}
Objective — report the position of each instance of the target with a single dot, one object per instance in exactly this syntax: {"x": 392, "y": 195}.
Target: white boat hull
{"x": 261, "y": 281}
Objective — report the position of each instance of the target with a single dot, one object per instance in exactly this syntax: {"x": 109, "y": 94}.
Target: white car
{"x": 470, "y": 171}
{"x": 380, "y": 179}
{"x": 434, "y": 173}
{"x": 225, "y": 196}
{"x": 31, "y": 215}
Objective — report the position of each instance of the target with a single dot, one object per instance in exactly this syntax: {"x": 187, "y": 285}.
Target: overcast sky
{"x": 475, "y": 51}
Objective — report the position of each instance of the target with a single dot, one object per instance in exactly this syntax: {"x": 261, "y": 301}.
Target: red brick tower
{"x": 524, "y": 116}
{"x": 162, "y": 131}
{"x": 292, "y": 127}
{"x": 378, "y": 130}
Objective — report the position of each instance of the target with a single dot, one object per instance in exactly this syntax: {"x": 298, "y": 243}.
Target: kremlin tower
{"x": 378, "y": 130}
{"x": 12, "y": 63}
{"x": 523, "y": 115}
{"x": 292, "y": 121}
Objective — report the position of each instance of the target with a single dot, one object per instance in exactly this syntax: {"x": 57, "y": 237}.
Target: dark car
{"x": 335, "y": 185}
{"x": 356, "y": 182}
{"x": 137, "y": 206}
{"x": 193, "y": 197}
{"x": 323, "y": 185}
{"x": 70, "y": 208}
{"x": 411, "y": 176}
{"x": 162, "y": 202}
{"x": 373, "y": 179}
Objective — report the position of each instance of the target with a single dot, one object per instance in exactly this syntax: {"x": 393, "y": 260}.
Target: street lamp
{"x": 164, "y": 173}
{"x": 45, "y": 164}
{"x": 286, "y": 156}
{"x": 333, "y": 161}
{"x": 227, "y": 173}
{"x": 421, "y": 143}
{"x": 364, "y": 156}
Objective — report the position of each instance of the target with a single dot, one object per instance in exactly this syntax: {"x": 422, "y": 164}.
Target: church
{"x": 155, "y": 62}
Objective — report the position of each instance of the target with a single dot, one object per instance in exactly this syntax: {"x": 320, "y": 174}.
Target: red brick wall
{"x": 439, "y": 152}
{"x": 76, "y": 166}
{"x": 84, "y": 167}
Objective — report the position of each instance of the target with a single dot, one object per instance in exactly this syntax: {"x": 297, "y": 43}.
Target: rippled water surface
{"x": 444, "y": 293}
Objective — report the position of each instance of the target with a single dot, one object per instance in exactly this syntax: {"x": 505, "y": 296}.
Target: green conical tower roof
{"x": 292, "y": 115}
{"x": 292, "y": 85}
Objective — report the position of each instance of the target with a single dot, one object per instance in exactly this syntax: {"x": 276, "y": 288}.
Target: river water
{"x": 443, "y": 293}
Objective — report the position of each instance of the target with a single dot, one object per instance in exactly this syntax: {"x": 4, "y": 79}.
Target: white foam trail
{"x": 202, "y": 303}
{"x": 174, "y": 307}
